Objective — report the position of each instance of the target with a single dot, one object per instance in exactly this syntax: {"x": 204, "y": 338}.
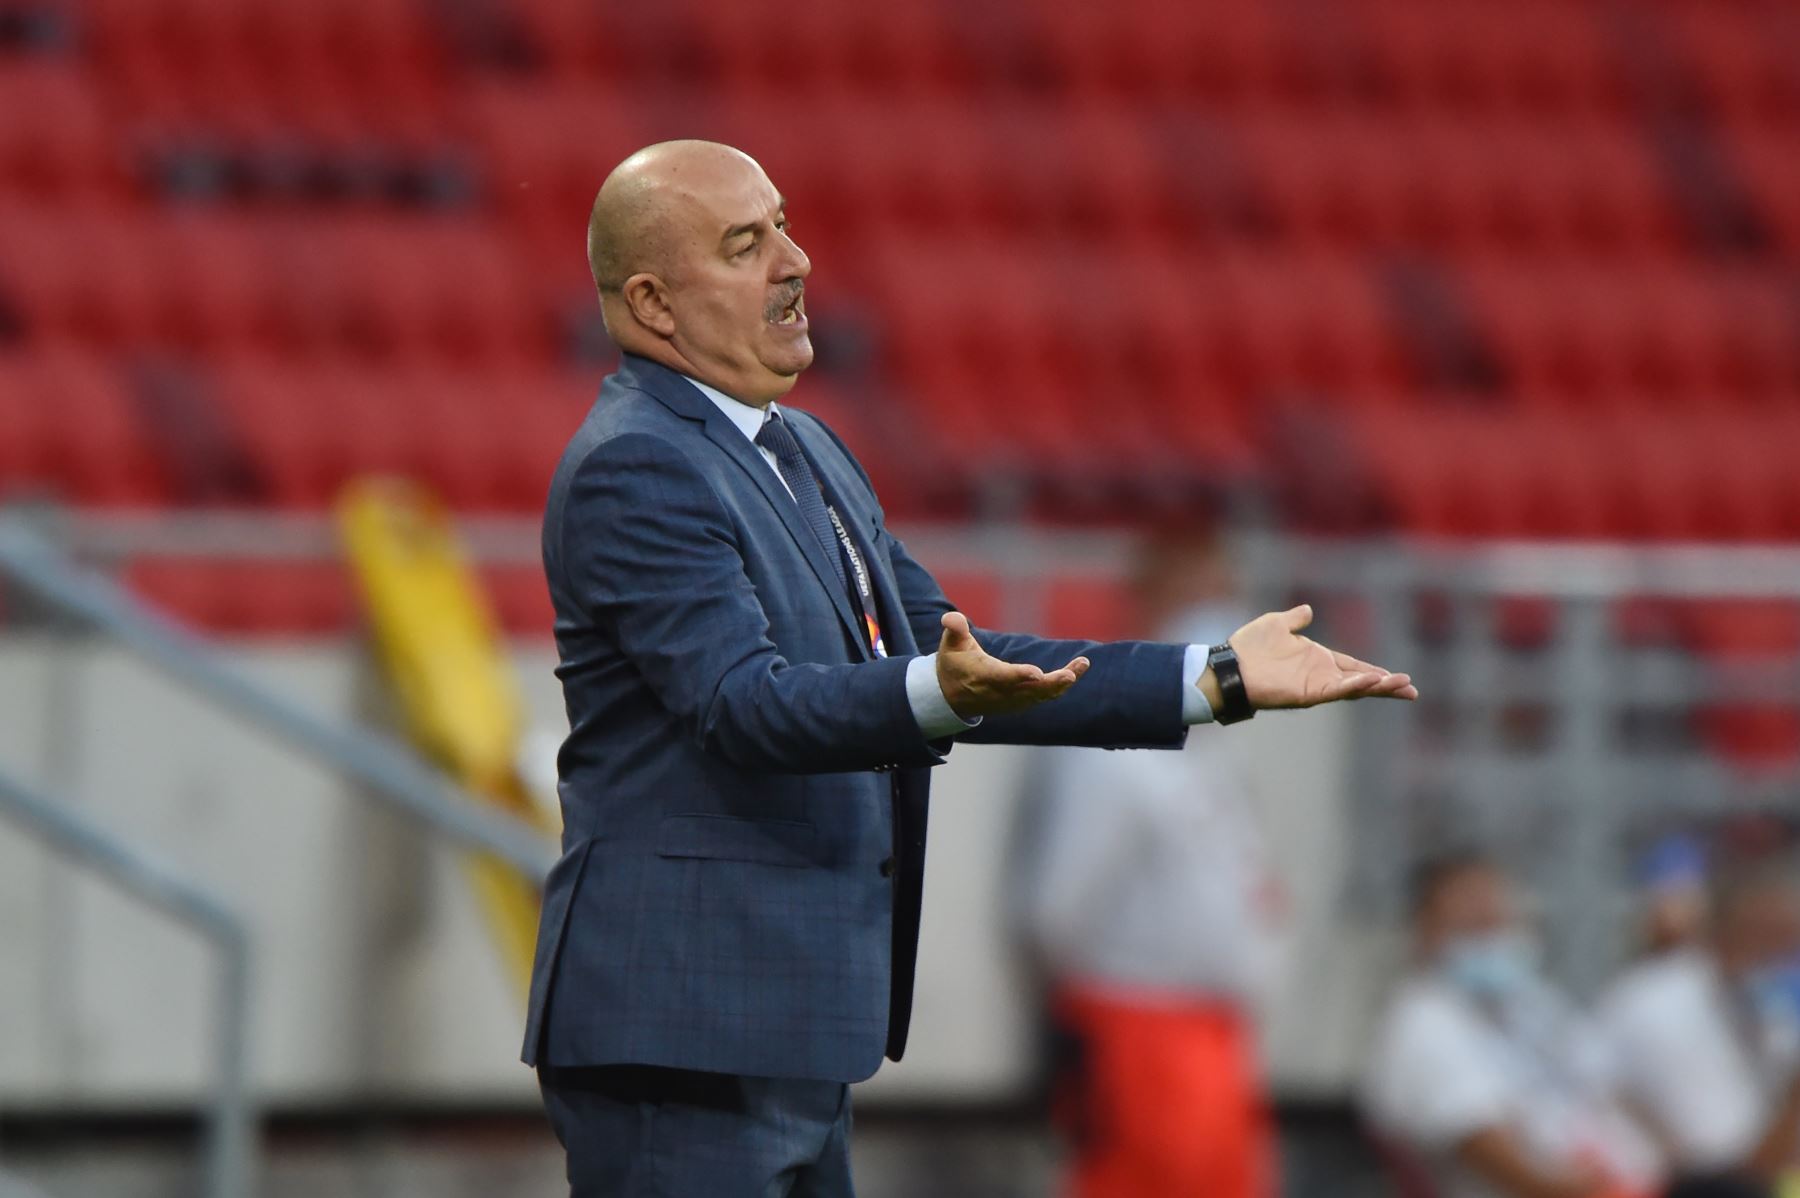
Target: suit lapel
{"x": 726, "y": 436}
{"x": 685, "y": 399}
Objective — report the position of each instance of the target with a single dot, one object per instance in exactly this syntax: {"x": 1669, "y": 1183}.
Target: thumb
{"x": 957, "y": 637}
{"x": 1296, "y": 618}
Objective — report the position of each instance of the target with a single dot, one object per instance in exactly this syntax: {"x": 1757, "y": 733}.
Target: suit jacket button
{"x": 887, "y": 867}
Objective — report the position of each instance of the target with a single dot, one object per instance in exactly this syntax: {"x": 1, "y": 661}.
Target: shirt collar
{"x": 748, "y": 419}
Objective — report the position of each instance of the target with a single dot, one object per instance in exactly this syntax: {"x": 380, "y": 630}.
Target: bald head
{"x": 689, "y": 248}
{"x": 630, "y": 227}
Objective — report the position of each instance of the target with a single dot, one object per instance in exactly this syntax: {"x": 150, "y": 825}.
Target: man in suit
{"x": 729, "y": 937}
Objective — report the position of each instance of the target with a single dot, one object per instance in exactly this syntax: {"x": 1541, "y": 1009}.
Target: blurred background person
{"x": 1709, "y": 1035}
{"x": 1150, "y": 906}
{"x": 1672, "y": 889}
{"x": 1483, "y": 1078}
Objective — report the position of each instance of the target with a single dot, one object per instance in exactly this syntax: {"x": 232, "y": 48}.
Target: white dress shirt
{"x": 1165, "y": 884}
{"x": 1709, "y": 1073}
{"x": 935, "y": 715}
{"x": 1443, "y": 1067}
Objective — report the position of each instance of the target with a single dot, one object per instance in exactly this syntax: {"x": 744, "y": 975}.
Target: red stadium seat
{"x": 832, "y": 49}
{"x": 337, "y": 70}
{"x": 1299, "y": 324}
{"x": 485, "y": 441}
{"x": 545, "y": 150}
{"x": 74, "y": 432}
{"x": 1740, "y": 71}
{"x": 239, "y": 597}
{"x": 1092, "y": 609}
{"x": 520, "y": 598}
{"x": 65, "y": 145}
{"x": 976, "y": 595}
{"x": 1459, "y": 184}
{"x": 1764, "y": 156}
{"x": 1541, "y": 56}
{"x": 80, "y": 274}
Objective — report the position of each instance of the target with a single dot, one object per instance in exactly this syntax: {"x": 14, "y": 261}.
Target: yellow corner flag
{"x": 439, "y": 646}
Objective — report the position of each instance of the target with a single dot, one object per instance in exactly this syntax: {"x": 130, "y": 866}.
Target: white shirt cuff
{"x": 1194, "y": 707}
{"x": 929, "y": 707}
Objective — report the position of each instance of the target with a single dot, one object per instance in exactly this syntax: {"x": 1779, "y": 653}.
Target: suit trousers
{"x": 641, "y": 1131}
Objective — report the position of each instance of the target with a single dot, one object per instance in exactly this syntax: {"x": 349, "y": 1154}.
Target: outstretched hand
{"x": 976, "y": 684}
{"x": 1281, "y": 668}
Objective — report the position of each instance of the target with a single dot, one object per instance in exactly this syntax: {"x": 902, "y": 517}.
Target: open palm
{"x": 1281, "y": 668}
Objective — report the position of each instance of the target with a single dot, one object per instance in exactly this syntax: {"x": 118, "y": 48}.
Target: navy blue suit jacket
{"x": 744, "y": 785}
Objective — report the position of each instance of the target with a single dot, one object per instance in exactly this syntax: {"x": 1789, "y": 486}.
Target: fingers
{"x": 1373, "y": 684}
{"x": 1017, "y": 673}
{"x": 1372, "y": 679}
{"x": 1296, "y": 618}
{"x": 957, "y": 638}
{"x": 1353, "y": 665}
{"x": 1064, "y": 678}
{"x": 1353, "y": 687}
{"x": 993, "y": 686}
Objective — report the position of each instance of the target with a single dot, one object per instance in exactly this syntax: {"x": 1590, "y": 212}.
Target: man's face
{"x": 1471, "y": 903}
{"x": 735, "y": 284}
{"x": 1760, "y": 928}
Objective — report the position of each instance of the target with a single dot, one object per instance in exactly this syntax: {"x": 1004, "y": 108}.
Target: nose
{"x": 793, "y": 264}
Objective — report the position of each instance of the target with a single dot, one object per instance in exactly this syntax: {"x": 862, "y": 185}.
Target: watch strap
{"x": 1235, "y": 706}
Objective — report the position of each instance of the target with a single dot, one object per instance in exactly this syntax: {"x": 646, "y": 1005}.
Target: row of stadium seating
{"x": 1462, "y": 55}
{"x": 1106, "y": 171}
{"x": 1441, "y": 266}
{"x": 262, "y": 430}
{"x": 289, "y": 242}
{"x": 1130, "y": 329}
{"x": 1692, "y": 477}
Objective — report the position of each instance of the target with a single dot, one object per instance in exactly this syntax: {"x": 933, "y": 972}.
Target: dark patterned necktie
{"x": 778, "y": 439}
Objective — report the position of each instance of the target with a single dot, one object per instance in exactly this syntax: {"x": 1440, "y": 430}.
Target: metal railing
{"x": 385, "y": 770}
{"x": 1560, "y": 754}
{"x": 391, "y": 773}
{"x": 230, "y": 1153}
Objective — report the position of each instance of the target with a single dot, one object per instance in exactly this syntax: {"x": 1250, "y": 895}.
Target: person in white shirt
{"x": 1709, "y": 1036}
{"x": 1149, "y": 904}
{"x": 1483, "y": 1078}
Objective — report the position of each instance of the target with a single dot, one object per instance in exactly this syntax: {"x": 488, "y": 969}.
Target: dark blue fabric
{"x": 632, "y": 1131}
{"x": 775, "y": 437}
{"x": 744, "y": 786}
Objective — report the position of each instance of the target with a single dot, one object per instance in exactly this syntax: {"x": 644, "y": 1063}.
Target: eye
{"x": 782, "y": 224}
{"x": 746, "y": 251}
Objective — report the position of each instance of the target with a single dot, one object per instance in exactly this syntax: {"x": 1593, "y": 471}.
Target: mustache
{"x": 784, "y": 299}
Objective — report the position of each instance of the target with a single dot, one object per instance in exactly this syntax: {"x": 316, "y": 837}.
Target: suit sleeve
{"x": 651, "y": 557}
{"x": 1130, "y": 697}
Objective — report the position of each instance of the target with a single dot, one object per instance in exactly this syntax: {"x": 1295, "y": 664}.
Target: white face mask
{"x": 1773, "y": 990}
{"x": 1492, "y": 965}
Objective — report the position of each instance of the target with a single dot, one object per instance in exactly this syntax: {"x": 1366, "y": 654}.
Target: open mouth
{"x": 794, "y": 313}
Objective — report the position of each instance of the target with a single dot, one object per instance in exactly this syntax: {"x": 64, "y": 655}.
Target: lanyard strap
{"x": 861, "y": 583}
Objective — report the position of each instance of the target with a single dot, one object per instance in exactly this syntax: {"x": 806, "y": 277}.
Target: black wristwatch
{"x": 1236, "y": 701}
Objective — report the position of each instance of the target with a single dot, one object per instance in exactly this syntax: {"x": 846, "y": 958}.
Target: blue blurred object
{"x": 1672, "y": 862}
{"x": 1774, "y": 990}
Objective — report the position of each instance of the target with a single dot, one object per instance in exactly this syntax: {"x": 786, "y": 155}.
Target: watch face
{"x": 1224, "y": 661}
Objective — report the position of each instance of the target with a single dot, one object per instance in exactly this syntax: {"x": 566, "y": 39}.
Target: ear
{"x": 648, "y": 300}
